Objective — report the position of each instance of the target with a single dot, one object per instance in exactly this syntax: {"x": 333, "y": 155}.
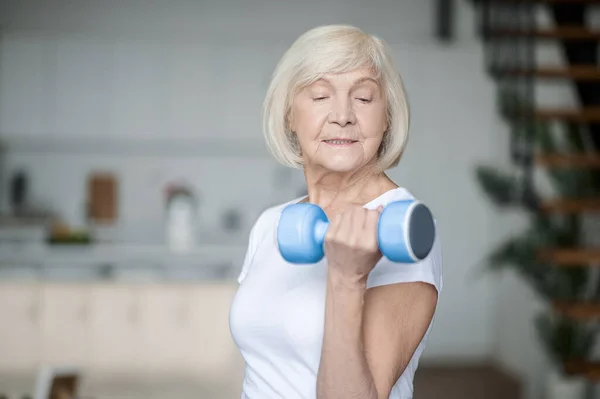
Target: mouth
{"x": 340, "y": 142}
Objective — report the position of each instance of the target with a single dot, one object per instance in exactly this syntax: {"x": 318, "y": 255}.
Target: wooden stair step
{"x": 568, "y": 205}
{"x": 588, "y": 369}
{"x": 591, "y": 2}
{"x": 578, "y": 311}
{"x": 583, "y": 115}
{"x": 569, "y": 257}
{"x": 575, "y": 72}
{"x": 568, "y": 160}
{"x": 559, "y": 33}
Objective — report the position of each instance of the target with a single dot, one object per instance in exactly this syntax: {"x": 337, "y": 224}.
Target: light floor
{"x": 430, "y": 383}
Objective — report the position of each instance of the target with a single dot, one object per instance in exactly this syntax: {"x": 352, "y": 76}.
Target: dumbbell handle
{"x": 320, "y": 230}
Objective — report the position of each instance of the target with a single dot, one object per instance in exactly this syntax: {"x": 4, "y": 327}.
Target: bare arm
{"x": 370, "y": 336}
{"x": 344, "y": 371}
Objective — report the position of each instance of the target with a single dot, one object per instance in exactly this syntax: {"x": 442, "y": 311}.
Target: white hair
{"x": 326, "y": 50}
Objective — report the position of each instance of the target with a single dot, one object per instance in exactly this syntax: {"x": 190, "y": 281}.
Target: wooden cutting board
{"x": 103, "y": 197}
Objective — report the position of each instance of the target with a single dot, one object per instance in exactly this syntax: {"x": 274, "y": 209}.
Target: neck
{"x": 335, "y": 190}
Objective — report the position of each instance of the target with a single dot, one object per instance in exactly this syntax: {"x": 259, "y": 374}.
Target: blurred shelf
{"x": 142, "y": 146}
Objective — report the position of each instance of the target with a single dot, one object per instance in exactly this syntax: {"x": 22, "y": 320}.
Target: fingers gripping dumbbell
{"x": 405, "y": 232}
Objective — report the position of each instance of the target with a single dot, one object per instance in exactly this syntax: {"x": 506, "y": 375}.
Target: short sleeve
{"x": 250, "y": 250}
{"x": 428, "y": 270}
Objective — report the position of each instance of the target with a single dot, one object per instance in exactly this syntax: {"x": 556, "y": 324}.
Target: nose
{"x": 342, "y": 112}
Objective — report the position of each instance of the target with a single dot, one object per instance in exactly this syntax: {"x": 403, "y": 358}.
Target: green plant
{"x": 562, "y": 338}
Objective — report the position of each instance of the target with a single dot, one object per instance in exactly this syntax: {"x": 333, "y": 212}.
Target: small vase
{"x": 181, "y": 223}
{"x": 562, "y": 386}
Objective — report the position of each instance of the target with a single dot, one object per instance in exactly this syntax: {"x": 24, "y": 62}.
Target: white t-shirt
{"x": 277, "y": 315}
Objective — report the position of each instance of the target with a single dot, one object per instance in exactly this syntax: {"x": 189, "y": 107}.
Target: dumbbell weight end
{"x": 301, "y": 232}
{"x": 406, "y": 231}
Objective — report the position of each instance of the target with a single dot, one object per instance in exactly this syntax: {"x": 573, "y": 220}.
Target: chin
{"x": 341, "y": 164}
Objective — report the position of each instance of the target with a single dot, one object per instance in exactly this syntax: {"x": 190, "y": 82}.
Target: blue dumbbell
{"x": 405, "y": 232}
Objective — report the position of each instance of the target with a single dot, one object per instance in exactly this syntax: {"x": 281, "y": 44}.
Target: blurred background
{"x": 133, "y": 167}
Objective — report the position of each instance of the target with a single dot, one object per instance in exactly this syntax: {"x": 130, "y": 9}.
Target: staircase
{"x": 511, "y": 36}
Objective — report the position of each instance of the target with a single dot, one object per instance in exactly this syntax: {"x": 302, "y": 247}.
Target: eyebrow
{"x": 356, "y": 82}
{"x": 365, "y": 79}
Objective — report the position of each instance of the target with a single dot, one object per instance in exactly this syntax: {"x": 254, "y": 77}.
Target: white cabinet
{"x": 65, "y": 322}
{"x": 116, "y": 328}
{"x": 187, "y": 330}
{"x": 143, "y": 328}
{"x": 213, "y": 350}
{"x": 184, "y": 328}
{"x": 168, "y": 329}
{"x": 19, "y": 327}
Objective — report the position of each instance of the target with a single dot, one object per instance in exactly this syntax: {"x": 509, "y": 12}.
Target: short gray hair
{"x": 333, "y": 49}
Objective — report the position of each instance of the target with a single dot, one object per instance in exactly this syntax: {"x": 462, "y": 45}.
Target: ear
{"x": 289, "y": 120}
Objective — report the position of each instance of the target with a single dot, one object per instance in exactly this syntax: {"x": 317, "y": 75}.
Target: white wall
{"x": 227, "y": 19}
{"x": 138, "y": 74}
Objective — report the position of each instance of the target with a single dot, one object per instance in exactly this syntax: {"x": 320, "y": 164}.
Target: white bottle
{"x": 181, "y": 222}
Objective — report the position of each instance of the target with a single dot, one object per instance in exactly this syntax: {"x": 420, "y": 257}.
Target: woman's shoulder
{"x": 400, "y": 193}
{"x": 394, "y": 194}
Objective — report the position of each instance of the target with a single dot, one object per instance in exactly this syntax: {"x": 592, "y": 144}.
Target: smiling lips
{"x": 340, "y": 142}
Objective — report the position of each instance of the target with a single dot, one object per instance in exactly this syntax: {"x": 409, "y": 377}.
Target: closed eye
{"x": 364, "y": 100}
{"x": 319, "y": 98}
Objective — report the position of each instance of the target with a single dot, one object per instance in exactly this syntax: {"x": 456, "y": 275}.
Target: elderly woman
{"x": 354, "y": 325}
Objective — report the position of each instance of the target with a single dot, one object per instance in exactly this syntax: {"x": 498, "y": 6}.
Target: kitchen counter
{"x": 137, "y": 335}
{"x": 106, "y": 261}
{"x": 110, "y": 252}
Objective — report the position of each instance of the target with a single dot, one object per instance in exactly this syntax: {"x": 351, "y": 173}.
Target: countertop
{"x": 111, "y": 252}
{"x": 119, "y": 261}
